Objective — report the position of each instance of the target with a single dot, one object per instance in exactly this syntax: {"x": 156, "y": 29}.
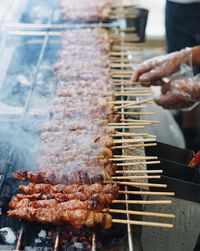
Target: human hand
{"x": 153, "y": 70}
{"x": 179, "y": 94}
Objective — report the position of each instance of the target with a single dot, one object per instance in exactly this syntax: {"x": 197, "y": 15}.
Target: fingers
{"x": 147, "y": 66}
{"x": 173, "y": 101}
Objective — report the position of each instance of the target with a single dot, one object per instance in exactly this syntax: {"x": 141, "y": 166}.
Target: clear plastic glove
{"x": 179, "y": 94}
{"x": 153, "y": 70}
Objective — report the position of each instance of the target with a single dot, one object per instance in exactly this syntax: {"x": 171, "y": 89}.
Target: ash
{"x": 7, "y": 235}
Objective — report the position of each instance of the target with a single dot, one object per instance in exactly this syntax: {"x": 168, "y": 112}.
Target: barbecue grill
{"x": 22, "y": 101}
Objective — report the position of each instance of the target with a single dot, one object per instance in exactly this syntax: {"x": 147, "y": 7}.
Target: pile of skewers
{"x": 79, "y": 176}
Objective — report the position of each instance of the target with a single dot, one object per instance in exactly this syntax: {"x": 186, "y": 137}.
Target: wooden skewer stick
{"x": 142, "y": 223}
{"x": 130, "y": 90}
{"x": 151, "y": 214}
{"x": 140, "y": 120}
{"x": 131, "y": 47}
{"x": 121, "y": 134}
{"x": 120, "y": 141}
{"x": 135, "y": 177}
{"x": 119, "y": 82}
{"x": 132, "y": 156}
{"x": 127, "y": 83}
{"x": 145, "y": 202}
{"x": 122, "y": 39}
{"x": 123, "y": 35}
{"x": 135, "y": 158}
{"x": 136, "y": 103}
{"x": 139, "y": 171}
{"x": 125, "y": 60}
{"x": 124, "y": 53}
{"x": 119, "y": 102}
{"x": 147, "y": 193}
{"x": 114, "y": 66}
{"x": 140, "y": 184}
{"x": 139, "y": 163}
{"x": 130, "y": 124}
{"x": 121, "y": 71}
{"x": 127, "y": 127}
{"x": 124, "y": 94}
{"x": 134, "y": 146}
{"x": 123, "y": 30}
{"x": 137, "y": 113}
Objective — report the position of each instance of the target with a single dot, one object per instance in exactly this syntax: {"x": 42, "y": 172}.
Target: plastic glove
{"x": 179, "y": 94}
{"x": 153, "y": 70}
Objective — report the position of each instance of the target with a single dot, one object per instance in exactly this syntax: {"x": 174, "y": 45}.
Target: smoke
{"x": 25, "y": 93}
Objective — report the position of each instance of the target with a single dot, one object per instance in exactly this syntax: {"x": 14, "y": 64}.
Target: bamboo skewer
{"x": 118, "y": 65}
{"x": 132, "y": 156}
{"x": 140, "y": 120}
{"x": 128, "y": 29}
{"x": 125, "y": 47}
{"x": 120, "y": 141}
{"x": 121, "y": 71}
{"x": 138, "y": 163}
{"x": 130, "y": 124}
{"x": 143, "y": 202}
{"x": 147, "y": 193}
{"x": 142, "y": 223}
{"x": 135, "y": 158}
{"x": 139, "y": 171}
{"x": 130, "y": 90}
{"x": 137, "y": 113}
{"x": 131, "y": 212}
{"x": 124, "y": 39}
{"x": 118, "y": 82}
{"x": 135, "y": 177}
{"x": 123, "y": 102}
{"x": 124, "y": 53}
{"x": 134, "y": 146}
{"x": 130, "y": 134}
{"x": 122, "y": 36}
{"x": 124, "y": 94}
{"x": 141, "y": 184}
{"x": 125, "y": 60}
{"x": 136, "y": 103}
{"x": 127, "y": 127}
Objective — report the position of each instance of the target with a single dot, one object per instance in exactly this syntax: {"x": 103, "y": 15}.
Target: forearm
{"x": 196, "y": 56}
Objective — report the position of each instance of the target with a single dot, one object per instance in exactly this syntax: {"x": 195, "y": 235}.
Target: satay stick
{"x": 133, "y": 146}
{"x": 145, "y": 202}
{"x": 142, "y": 223}
{"x": 119, "y": 134}
{"x": 138, "y": 163}
{"x": 137, "y": 102}
{"x": 137, "y": 113}
{"x": 147, "y": 193}
{"x": 134, "y": 158}
{"x": 142, "y": 213}
{"x": 139, "y": 171}
{"x": 141, "y": 120}
{"x": 138, "y": 184}
{"x": 129, "y": 124}
{"x": 135, "y": 177}
{"x": 120, "y": 94}
{"x": 120, "y": 141}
